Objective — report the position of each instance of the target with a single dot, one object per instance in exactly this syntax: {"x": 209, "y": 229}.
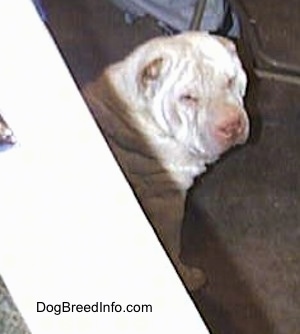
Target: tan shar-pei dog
{"x": 172, "y": 107}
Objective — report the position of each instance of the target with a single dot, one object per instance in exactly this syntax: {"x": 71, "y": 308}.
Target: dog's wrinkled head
{"x": 193, "y": 86}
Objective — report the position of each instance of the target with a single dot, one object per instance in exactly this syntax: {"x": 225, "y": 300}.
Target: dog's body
{"x": 169, "y": 109}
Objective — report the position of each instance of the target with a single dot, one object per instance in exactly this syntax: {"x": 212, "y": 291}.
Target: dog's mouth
{"x": 217, "y": 141}
{"x": 232, "y": 135}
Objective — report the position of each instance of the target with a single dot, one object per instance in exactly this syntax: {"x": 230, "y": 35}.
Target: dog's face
{"x": 193, "y": 85}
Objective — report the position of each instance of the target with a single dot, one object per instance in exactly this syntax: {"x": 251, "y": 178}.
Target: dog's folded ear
{"x": 151, "y": 71}
{"x": 227, "y": 43}
{"x": 150, "y": 76}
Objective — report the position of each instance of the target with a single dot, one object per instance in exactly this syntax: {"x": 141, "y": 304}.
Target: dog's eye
{"x": 230, "y": 82}
{"x": 189, "y": 99}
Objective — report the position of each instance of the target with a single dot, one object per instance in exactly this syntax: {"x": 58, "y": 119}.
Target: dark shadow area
{"x": 227, "y": 297}
{"x": 92, "y": 34}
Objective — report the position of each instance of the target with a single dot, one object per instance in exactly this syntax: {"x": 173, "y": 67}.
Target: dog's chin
{"x": 217, "y": 144}
{"x": 214, "y": 148}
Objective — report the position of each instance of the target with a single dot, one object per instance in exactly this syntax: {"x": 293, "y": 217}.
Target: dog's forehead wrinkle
{"x": 216, "y": 57}
{"x": 191, "y": 77}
